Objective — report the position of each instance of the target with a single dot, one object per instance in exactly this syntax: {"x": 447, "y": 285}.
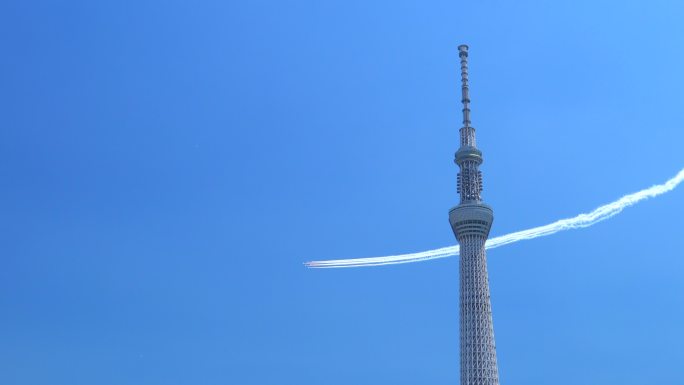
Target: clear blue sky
{"x": 168, "y": 166}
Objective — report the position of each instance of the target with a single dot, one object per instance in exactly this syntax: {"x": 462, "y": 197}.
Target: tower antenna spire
{"x": 465, "y": 97}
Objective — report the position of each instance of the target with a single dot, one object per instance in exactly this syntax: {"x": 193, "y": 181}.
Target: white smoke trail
{"x": 582, "y": 220}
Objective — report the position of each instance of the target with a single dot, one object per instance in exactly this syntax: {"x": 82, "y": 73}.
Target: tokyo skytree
{"x": 471, "y": 221}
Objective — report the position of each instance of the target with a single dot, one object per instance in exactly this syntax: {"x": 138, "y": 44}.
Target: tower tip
{"x": 465, "y": 98}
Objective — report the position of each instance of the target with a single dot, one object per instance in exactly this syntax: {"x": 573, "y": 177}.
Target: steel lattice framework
{"x": 471, "y": 221}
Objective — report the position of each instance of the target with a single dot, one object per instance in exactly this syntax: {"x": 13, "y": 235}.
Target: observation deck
{"x": 471, "y": 219}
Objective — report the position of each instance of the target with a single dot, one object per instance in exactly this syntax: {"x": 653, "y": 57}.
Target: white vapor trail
{"x": 582, "y": 220}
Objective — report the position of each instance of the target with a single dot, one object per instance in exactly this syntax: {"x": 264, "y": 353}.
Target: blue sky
{"x": 167, "y": 168}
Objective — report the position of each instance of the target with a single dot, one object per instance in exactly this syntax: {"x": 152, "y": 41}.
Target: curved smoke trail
{"x": 582, "y": 220}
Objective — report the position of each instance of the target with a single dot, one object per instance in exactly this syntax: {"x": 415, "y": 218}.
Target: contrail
{"x": 582, "y": 220}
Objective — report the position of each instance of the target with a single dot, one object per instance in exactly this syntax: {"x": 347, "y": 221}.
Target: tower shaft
{"x": 471, "y": 221}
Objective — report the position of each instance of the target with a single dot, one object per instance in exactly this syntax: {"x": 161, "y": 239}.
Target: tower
{"x": 471, "y": 221}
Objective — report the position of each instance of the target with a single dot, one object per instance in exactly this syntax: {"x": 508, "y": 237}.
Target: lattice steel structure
{"x": 471, "y": 221}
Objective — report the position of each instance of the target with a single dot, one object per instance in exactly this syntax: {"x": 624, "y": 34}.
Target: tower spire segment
{"x": 467, "y": 132}
{"x": 465, "y": 98}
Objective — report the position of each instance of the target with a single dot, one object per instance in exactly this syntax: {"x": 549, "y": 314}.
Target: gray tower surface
{"x": 471, "y": 221}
